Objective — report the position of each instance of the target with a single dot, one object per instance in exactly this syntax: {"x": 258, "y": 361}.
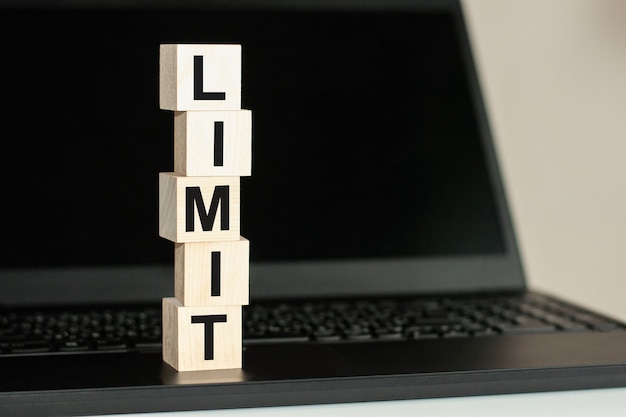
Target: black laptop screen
{"x": 365, "y": 140}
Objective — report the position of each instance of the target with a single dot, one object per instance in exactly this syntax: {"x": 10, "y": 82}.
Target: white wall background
{"x": 554, "y": 77}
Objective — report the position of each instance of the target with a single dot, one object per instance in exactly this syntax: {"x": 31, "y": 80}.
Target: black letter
{"x": 218, "y": 144}
{"x": 208, "y": 331}
{"x": 198, "y": 82}
{"x": 193, "y": 196}
{"x": 216, "y": 271}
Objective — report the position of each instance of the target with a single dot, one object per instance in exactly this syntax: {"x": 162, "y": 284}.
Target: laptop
{"x": 383, "y": 258}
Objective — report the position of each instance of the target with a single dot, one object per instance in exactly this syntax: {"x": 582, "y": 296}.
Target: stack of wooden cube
{"x": 199, "y": 205}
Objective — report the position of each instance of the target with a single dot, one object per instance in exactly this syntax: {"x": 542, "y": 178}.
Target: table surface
{"x": 602, "y": 402}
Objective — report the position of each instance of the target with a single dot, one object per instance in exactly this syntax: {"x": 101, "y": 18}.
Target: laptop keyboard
{"x": 432, "y": 318}
{"x": 90, "y": 329}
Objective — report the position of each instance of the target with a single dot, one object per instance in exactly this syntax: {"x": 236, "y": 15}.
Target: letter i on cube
{"x": 199, "y": 206}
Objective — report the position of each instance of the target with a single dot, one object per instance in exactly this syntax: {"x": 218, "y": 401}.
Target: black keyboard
{"x": 121, "y": 328}
{"x": 401, "y": 319}
{"x": 80, "y": 329}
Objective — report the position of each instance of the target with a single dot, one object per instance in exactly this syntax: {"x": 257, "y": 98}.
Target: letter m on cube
{"x": 198, "y": 209}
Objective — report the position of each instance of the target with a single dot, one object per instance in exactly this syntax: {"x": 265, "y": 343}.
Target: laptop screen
{"x": 366, "y": 136}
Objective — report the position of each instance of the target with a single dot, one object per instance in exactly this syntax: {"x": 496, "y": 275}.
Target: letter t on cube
{"x": 200, "y": 338}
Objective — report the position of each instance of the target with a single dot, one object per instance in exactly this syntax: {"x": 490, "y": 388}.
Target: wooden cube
{"x": 198, "y": 209}
{"x": 212, "y": 273}
{"x": 200, "y": 77}
{"x": 201, "y": 337}
{"x": 213, "y": 143}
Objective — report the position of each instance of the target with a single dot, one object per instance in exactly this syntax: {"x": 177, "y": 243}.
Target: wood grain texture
{"x": 184, "y": 341}
{"x": 221, "y": 73}
{"x": 212, "y": 273}
{"x": 214, "y": 376}
{"x": 173, "y": 199}
{"x": 196, "y": 140}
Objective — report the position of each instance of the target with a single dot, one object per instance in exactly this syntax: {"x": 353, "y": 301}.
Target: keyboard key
{"x": 598, "y": 323}
{"x": 275, "y": 339}
{"x": 526, "y": 327}
{"x": 485, "y": 332}
{"x": 30, "y": 346}
{"x": 422, "y": 336}
{"x": 74, "y": 346}
{"x": 111, "y": 344}
{"x": 455, "y": 334}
